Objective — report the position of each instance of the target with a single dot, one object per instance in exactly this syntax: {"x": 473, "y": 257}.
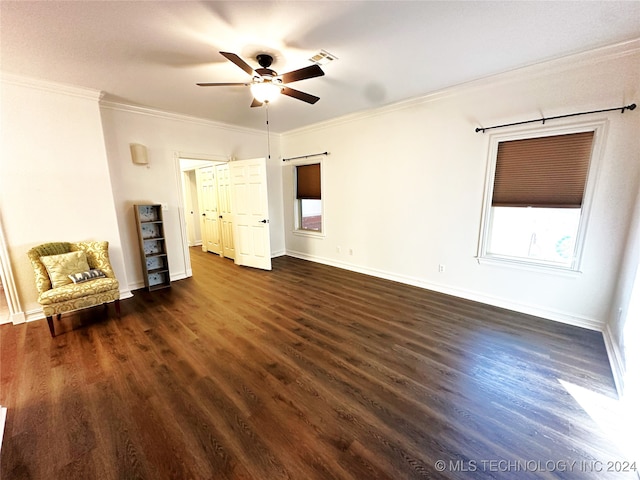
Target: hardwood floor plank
{"x": 303, "y": 372}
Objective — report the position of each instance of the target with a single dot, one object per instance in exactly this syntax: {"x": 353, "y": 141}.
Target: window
{"x": 538, "y": 196}
{"x": 309, "y": 198}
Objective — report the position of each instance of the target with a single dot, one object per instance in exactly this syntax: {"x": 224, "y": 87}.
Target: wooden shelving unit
{"x": 153, "y": 249}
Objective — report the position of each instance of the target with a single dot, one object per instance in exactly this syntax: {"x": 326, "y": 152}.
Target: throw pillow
{"x": 86, "y": 276}
{"x": 61, "y": 266}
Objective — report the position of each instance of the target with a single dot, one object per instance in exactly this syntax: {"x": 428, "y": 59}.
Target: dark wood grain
{"x": 304, "y": 372}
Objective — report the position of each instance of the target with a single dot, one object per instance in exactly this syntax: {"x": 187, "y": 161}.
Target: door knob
{"x": 264, "y": 221}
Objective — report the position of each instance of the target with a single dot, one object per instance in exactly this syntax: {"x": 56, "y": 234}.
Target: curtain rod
{"x": 305, "y": 156}
{"x": 543, "y": 120}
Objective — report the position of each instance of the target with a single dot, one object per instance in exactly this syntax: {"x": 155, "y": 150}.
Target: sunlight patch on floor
{"x": 618, "y": 419}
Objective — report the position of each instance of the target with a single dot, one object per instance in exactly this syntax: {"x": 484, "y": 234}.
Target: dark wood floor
{"x": 305, "y": 372}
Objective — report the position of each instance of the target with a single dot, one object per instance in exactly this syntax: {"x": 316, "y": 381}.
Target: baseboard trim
{"x": 561, "y": 317}
{"x": 13, "y": 318}
{"x": 3, "y": 418}
{"x": 616, "y": 359}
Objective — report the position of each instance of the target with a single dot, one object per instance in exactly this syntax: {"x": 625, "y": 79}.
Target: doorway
{"x": 208, "y": 221}
{"x": 211, "y": 189}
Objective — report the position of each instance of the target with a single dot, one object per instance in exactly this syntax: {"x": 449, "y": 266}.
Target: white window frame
{"x": 296, "y": 202}
{"x": 599, "y": 127}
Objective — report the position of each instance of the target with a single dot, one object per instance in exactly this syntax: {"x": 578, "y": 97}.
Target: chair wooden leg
{"x": 50, "y": 323}
{"x": 59, "y": 315}
{"x": 118, "y": 308}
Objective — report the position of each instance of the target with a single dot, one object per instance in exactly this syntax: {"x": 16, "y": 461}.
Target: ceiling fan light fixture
{"x": 265, "y": 92}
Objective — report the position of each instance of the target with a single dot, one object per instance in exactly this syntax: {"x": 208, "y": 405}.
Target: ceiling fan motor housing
{"x": 264, "y": 60}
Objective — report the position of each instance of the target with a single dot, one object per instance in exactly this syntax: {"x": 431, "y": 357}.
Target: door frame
{"x": 177, "y": 156}
{"x": 16, "y": 314}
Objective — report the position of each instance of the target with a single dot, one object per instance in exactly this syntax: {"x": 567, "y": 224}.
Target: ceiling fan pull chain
{"x": 266, "y": 105}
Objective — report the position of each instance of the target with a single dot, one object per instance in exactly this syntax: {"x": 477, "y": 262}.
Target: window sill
{"x": 309, "y": 233}
{"x": 529, "y": 266}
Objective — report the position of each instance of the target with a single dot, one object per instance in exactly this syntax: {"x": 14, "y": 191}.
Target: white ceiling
{"x": 152, "y": 53}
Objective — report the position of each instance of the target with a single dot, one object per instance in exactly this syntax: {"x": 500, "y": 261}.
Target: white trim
{"x": 307, "y": 233}
{"x": 529, "y": 266}
{"x": 3, "y": 418}
{"x": 17, "y": 318}
{"x": 186, "y": 257}
{"x": 296, "y": 205}
{"x": 549, "y": 314}
{"x": 152, "y": 112}
{"x": 216, "y": 159}
{"x": 616, "y": 360}
{"x": 600, "y": 127}
{"x": 16, "y": 313}
{"x": 558, "y": 65}
{"x": 52, "y": 87}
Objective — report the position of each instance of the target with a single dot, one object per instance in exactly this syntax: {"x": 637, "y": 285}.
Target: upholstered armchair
{"x": 73, "y": 276}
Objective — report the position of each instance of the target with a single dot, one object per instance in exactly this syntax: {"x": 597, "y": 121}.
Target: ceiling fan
{"x": 266, "y": 84}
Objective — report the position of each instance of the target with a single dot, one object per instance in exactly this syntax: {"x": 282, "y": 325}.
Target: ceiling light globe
{"x": 265, "y": 92}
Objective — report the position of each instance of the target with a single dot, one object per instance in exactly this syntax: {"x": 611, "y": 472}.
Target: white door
{"x": 250, "y": 208}
{"x": 208, "y": 199}
{"x": 224, "y": 210}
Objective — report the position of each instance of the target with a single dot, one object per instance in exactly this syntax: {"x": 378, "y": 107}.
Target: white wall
{"x": 166, "y": 137}
{"x": 54, "y": 179}
{"x": 623, "y": 330}
{"x": 403, "y": 186}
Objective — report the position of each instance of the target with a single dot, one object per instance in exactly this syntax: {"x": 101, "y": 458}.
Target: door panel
{"x": 224, "y": 210}
{"x": 208, "y": 199}
{"x": 250, "y": 207}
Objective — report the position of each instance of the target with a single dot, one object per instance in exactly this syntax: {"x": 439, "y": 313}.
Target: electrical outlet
{"x": 338, "y": 249}
{"x": 351, "y": 251}
{"x": 441, "y": 268}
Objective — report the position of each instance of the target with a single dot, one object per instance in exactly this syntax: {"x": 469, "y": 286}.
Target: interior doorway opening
{"x": 191, "y": 211}
{"x": 242, "y": 234}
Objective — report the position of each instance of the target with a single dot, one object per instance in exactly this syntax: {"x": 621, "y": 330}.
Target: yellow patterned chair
{"x": 73, "y": 276}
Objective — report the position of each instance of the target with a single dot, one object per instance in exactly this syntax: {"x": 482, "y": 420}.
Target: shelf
{"x": 158, "y": 270}
{"x": 153, "y": 251}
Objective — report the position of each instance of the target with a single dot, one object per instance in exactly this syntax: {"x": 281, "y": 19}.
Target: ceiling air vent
{"x": 322, "y": 58}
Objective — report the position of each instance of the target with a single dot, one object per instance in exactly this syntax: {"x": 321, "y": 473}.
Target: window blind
{"x": 308, "y": 182}
{"x": 546, "y": 172}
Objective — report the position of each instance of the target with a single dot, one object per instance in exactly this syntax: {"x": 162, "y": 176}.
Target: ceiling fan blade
{"x": 305, "y": 97}
{"x": 223, "y": 84}
{"x": 232, "y": 57}
{"x": 256, "y": 103}
{"x": 302, "y": 74}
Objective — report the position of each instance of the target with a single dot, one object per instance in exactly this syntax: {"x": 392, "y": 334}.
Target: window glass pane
{"x": 543, "y": 234}
{"x": 311, "y": 214}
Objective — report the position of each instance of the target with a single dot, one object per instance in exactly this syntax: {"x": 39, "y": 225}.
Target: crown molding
{"x": 51, "y": 87}
{"x": 179, "y": 117}
{"x": 531, "y": 71}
